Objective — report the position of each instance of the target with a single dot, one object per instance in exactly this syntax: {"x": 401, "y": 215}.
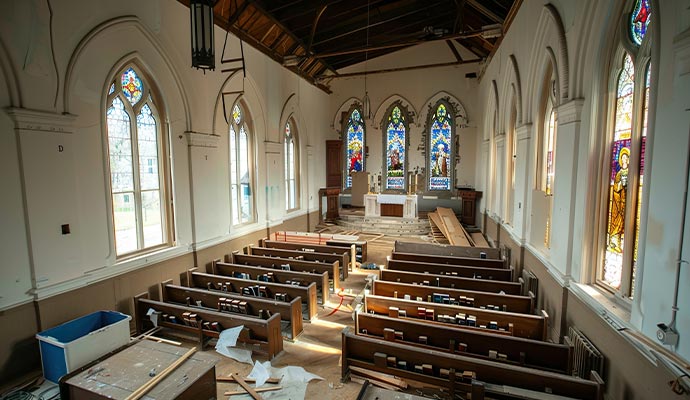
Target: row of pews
{"x": 269, "y": 291}
{"x": 453, "y": 317}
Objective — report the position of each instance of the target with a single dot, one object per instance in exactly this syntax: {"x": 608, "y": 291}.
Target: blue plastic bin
{"x": 76, "y": 343}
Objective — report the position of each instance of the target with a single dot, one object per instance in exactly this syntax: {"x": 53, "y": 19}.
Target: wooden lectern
{"x": 332, "y": 194}
{"x": 469, "y": 205}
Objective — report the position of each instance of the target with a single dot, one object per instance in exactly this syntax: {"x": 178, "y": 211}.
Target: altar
{"x": 390, "y": 205}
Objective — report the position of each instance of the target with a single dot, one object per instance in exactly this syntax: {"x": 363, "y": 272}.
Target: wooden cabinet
{"x": 332, "y": 195}
{"x": 469, "y": 200}
{"x": 334, "y": 163}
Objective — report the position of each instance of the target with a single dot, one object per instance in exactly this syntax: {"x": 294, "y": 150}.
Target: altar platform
{"x": 354, "y": 220}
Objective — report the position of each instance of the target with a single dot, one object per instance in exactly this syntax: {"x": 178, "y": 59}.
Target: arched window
{"x": 511, "y": 148}
{"x": 137, "y": 165}
{"x": 395, "y": 149}
{"x": 628, "y": 132}
{"x": 441, "y": 131}
{"x": 291, "y": 165}
{"x": 241, "y": 175}
{"x": 354, "y": 145}
{"x": 549, "y": 151}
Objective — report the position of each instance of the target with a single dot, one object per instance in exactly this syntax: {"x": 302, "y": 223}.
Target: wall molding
{"x": 570, "y": 111}
{"x": 107, "y": 26}
{"x": 27, "y": 120}
{"x": 201, "y": 139}
{"x": 524, "y": 131}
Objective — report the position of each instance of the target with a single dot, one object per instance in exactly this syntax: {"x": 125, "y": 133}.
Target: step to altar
{"x": 390, "y": 226}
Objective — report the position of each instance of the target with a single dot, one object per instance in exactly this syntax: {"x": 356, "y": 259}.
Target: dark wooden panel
{"x": 334, "y": 163}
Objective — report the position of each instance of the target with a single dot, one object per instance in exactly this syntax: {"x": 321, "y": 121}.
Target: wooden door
{"x": 334, "y": 163}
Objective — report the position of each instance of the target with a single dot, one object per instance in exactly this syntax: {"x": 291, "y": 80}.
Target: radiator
{"x": 586, "y": 357}
{"x": 530, "y": 283}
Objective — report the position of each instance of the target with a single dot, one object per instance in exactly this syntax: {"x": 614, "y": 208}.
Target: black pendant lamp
{"x": 201, "y": 19}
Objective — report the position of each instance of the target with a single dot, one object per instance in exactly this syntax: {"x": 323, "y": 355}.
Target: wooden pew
{"x": 466, "y": 261}
{"x": 360, "y": 248}
{"x": 498, "y": 274}
{"x": 482, "y": 285}
{"x": 277, "y": 244}
{"x": 295, "y": 265}
{"x": 264, "y": 335}
{"x": 307, "y": 294}
{"x": 518, "y": 351}
{"x": 290, "y": 312}
{"x": 446, "y": 250}
{"x": 279, "y": 275}
{"x": 521, "y": 325}
{"x": 372, "y": 354}
{"x": 389, "y": 287}
{"x": 342, "y": 259}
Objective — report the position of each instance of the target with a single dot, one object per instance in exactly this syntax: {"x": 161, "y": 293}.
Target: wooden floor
{"x": 317, "y": 349}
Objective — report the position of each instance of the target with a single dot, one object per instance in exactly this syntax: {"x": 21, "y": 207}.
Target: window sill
{"x": 614, "y": 310}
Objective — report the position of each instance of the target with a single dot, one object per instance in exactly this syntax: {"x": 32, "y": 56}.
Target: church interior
{"x": 364, "y": 199}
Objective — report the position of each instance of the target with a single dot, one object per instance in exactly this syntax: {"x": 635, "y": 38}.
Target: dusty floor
{"x": 317, "y": 349}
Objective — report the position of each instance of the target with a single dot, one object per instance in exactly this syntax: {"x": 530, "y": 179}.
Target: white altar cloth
{"x": 372, "y": 204}
{"x": 391, "y": 198}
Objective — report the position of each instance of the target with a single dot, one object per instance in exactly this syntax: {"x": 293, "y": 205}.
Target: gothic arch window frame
{"x": 241, "y": 212}
{"x": 548, "y": 112}
{"x": 385, "y": 122}
{"x": 291, "y": 175}
{"x": 511, "y": 156}
{"x": 350, "y": 164}
{"x": 450, "y": 161}
{"x": 613, "y": 249}
{"x": 145, "y": 97}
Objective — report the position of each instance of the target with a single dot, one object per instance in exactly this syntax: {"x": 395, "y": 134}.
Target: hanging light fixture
{"x": 366, "y": 103}
{"x": 201, "y": 19}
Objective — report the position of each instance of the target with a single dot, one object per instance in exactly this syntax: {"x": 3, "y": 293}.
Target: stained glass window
{"x": 643, "y": 147}
{"x": 241, "y": 178}
{"x": 290, "y": 168}
{"x": 440, "y": 139}
{"x": 134, "y": 147}
{"x": 354, "y": 149}
{"x": 618, "y": 176}
{"x": 396, "y": 139}
{"x": 639, "y": 20}
{"x": 132, "y": 87}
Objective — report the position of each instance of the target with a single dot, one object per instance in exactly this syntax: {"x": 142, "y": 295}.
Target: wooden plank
{"x": 248, "y": 388}
{"x": 258, "y": 390}
{"x": 153, "y": 382}
{"x": 479, "y": 240}
{"x": 456, "y": 233}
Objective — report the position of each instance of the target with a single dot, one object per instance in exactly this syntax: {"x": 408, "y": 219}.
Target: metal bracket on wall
{"x": 239, "y": 64}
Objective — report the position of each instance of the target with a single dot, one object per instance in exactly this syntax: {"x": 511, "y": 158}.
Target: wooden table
{"x": 117, "y": 376}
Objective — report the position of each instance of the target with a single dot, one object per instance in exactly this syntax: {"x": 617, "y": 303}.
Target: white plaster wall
{"x": 578, "y": 166}
{"x": 14, "y": 252}
{"x": 416, "y": 88}
{"x": 91, "y": 40}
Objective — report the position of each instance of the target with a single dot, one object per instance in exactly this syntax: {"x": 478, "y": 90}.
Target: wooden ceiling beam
{"x": 484, "y": 10}
{"x": 463, "y": 35}
{"x": 454, "y": 50}
{"x": 398, "y": 69}
{"x": 388, "y": 18}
